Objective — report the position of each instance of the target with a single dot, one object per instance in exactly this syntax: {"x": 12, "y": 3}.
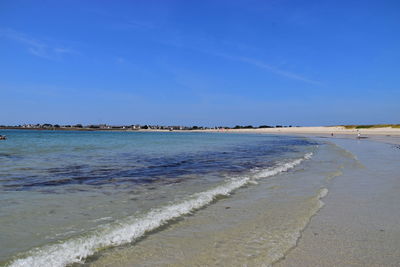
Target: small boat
{"x": 3, "y": 137}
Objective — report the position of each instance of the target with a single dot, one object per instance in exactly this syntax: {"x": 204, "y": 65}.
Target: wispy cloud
{"x": 243, "y": 59}
{"x": 184, "y": 41}
{"x": 273, "y": 69}
{"x": 34, "y": 46}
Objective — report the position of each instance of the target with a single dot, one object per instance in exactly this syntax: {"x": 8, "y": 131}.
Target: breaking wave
{"x": 130, "y": 229}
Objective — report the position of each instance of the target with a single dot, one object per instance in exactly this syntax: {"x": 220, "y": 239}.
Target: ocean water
{"x": 147, "y": 198}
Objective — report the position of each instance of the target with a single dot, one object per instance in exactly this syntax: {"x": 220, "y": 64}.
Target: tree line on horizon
{"x": 137, "y": 126}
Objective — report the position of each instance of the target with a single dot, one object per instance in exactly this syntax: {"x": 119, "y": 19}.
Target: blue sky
{"x": 200, "y": 62}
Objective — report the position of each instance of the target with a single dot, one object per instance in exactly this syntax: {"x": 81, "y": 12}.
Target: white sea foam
{"x": 103, "y": 219}
{"x": 130, "y": 229}
{"x": 321, "y": 194}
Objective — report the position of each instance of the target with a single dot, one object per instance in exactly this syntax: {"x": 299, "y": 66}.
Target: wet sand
{"x": 360, "y": 223}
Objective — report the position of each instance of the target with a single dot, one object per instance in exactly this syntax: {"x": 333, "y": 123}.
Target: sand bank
{"x": 320, "y": 130}
{"x": 386, "y": 135}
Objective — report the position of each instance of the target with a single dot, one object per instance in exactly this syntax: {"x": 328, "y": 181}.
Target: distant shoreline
{"x": 318, "y": 130}
{"x": 385, "y": 135}
{"x": 324, "y": 130}
{"x": 62, "y": 129}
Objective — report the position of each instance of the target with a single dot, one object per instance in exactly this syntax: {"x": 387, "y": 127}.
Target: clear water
{"x": 66, "y": 195}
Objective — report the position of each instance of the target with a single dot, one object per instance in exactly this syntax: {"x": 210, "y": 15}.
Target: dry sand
{"x": 386, "y": 135}
{"x": 319, "y": 130}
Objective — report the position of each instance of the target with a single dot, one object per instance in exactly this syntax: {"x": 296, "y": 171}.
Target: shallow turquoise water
{"x": 58, "y": 186}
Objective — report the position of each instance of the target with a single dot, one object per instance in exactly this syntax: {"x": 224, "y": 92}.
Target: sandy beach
{"x": 386, "y": 135}
{"x": 359, "y": 224}
{"x": 321, "y": 131}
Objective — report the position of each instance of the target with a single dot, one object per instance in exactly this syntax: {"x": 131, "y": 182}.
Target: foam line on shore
{"x": 76, "y": 249}
{"x": 292, "y": 238}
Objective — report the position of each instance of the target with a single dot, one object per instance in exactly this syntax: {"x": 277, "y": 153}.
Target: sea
{"x": 92, "y": 198}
